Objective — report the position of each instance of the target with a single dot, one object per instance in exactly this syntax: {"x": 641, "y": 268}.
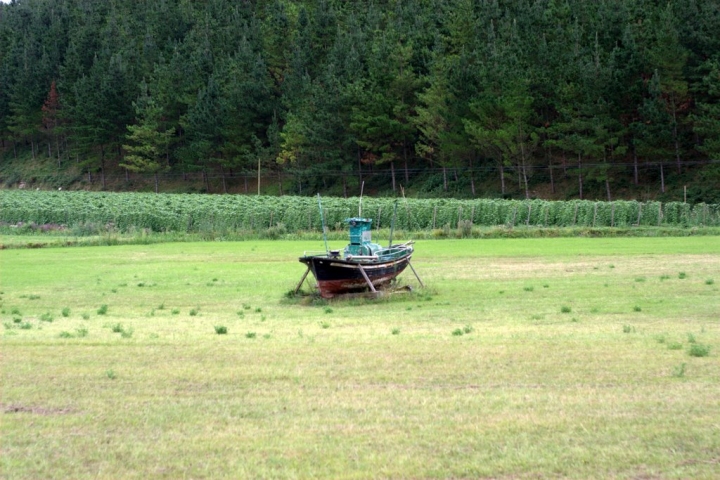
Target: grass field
{"x": 538, "y": 358}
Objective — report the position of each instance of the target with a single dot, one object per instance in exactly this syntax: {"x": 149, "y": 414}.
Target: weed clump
{"x": 221, "y": 329}
{"x": 698, "y": 350}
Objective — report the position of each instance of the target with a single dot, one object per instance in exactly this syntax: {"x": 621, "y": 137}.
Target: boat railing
{"x": 362, "y": 257}
{"x": 315, "y": 253}
{"x": 395, "y": 249}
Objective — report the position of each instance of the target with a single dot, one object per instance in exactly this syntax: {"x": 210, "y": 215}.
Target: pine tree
{"x": 147, "y": 145}
{"x": 50, "y": 119}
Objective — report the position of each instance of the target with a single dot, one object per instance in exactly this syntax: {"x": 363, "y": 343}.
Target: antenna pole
{"x": 392, "y": 224}
{"x": 362, "y": 187}
{"x": 322, "y": 220}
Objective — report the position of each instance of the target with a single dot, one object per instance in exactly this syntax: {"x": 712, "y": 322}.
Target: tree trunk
{"x": 502, "y": 180}
{"x": 552, "y": 178}
{"x": 675, "y": 138}
{"x": 524, "y": 170}
{"x": 224, "y": 181}
{"x": 472, "y": 175}
{"x": 102, "y": 166}
{"x": 157, "y": 183}
{"x": 392, "y": 173}
{"x": 636, "y": 178}
{"x": 662, "y": 178}
{"x": 607, "y": 187}
{"x": 405, "y": 160}
{"x": 580, "y": 181}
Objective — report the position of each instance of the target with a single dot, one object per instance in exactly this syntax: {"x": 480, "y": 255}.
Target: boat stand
{"x": 416, "y": 275}
{"x": 297, "y": 289}
{"x": 367, "y": 279}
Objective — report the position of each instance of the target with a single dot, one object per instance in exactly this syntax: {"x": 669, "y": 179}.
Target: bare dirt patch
{"x": 17, "y": 408}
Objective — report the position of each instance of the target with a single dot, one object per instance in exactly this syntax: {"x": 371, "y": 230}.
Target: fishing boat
{"x": 361, "y": 266}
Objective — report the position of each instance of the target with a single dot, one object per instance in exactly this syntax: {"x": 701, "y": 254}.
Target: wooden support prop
{"x": 372, "y": 287}
{"x": 297, "y": 289}
{"x": 416, "y": 275}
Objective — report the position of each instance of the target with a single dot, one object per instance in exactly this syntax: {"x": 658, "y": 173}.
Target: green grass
{"x": 522, "y": 392}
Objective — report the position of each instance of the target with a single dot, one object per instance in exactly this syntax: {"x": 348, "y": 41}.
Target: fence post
{"x": 575, "y": 215}
{"x": 527, "y": 222}
{"x": 595, "y": 214}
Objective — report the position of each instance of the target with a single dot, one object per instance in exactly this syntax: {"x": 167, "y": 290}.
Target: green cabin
{"x": 361, "y": 238}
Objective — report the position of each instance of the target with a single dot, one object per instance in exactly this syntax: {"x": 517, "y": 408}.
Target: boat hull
{"x": 337, "y": 276}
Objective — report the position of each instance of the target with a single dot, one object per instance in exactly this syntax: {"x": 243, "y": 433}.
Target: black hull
{"x": 338, "y": 276}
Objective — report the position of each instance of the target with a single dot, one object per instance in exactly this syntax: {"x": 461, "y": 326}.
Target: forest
{"x": 467, "y": 98}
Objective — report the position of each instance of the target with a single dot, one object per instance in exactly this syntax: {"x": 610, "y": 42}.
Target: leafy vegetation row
{"x": 199, "y": 213}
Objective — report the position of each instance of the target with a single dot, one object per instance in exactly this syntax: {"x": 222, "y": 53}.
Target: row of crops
{"x": 197, "y": 213}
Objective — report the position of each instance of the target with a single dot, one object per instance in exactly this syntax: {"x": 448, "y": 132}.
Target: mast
{"x": 322, "y": 220}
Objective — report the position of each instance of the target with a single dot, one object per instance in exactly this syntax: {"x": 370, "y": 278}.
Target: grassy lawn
{"x": 569, "y": 357}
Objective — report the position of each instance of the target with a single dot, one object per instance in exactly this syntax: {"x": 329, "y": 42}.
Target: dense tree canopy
{"x": 329, "y": 92}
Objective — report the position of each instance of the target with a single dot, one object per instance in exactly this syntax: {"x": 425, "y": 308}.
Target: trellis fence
{"x": 195, "y": 213}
